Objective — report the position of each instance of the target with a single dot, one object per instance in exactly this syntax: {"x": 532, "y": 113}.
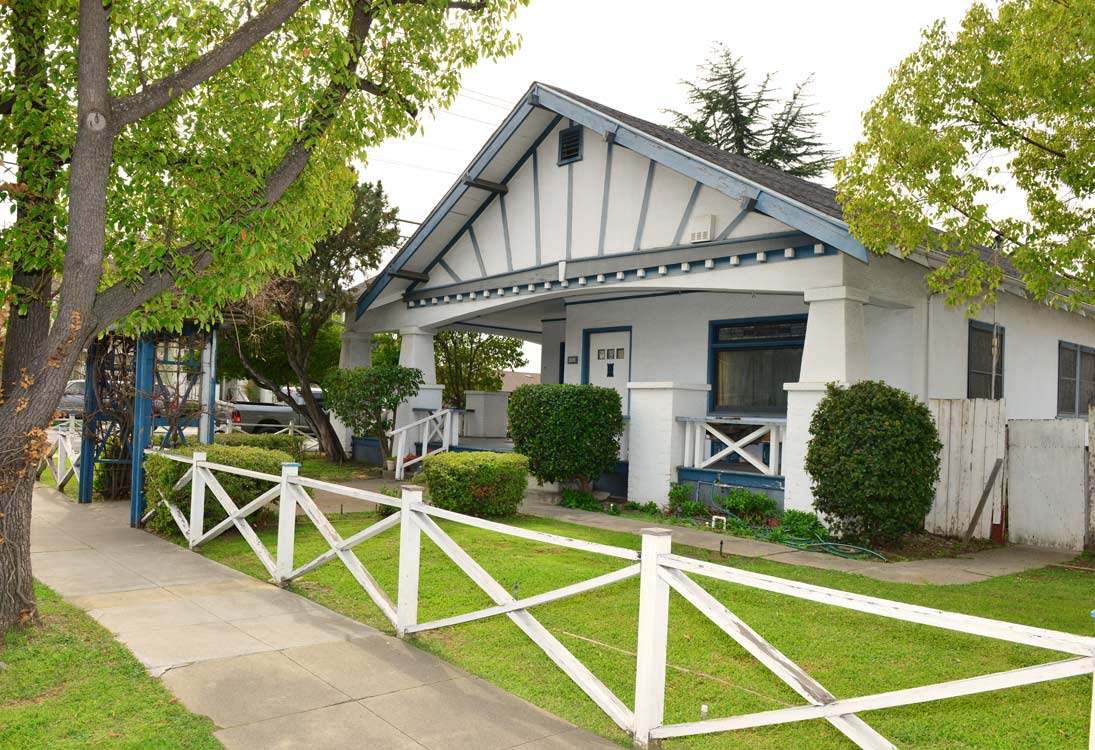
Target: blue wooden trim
{"x": 478, "y": 254}
{"x": 536, "y": 205}
{"x": 712, "y": 347}
{"x": 570, "y": 207}
{"x": 599, "y": 300}
{"x": 144, "y": 364}
{"x": 490, "y": 149}
{"x": 742, "y": 215}
{"x": 505, "y": 232}
{"x": 449, "y": 271}
{"x": 604, "y": 199}
{"x": 630, "y": 356}
{"x": 687, "y": 212}
{"x": 826, "y": 228}
{"x": 734, "y": 478}
{"x": 530, "y": 152}
{"x": 493, "y": 327}
{"x": 87, "y": 436}
{"x": 646, "y": 204}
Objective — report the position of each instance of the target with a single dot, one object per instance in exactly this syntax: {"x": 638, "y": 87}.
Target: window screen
{"x": 983, "y": 380}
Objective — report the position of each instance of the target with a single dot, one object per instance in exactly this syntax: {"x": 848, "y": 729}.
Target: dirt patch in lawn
{"x": 920, "y": 545}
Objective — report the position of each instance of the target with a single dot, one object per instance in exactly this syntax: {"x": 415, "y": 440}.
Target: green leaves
{"x": 974, "y": 122}
{"x": 363, "y": 397}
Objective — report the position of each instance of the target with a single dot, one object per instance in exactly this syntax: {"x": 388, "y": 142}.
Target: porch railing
{"x": 658, "y": 571}
{"x": 769, "y": 431}
{"x": 63, "y": 458}
{"x": 440, "y": 425}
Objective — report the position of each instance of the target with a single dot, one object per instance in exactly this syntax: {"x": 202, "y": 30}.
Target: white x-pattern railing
{"x": 63, "y": 458}
{"x": 697, "y": 431}
{"x": 437, "y": 427}
{"x": 659, "y": 571}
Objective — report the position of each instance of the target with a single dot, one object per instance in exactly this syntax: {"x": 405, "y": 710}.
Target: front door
{"x": 609, "y": 358}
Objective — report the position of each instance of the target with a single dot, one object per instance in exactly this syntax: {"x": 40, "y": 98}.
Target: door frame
{"x": 587, "y": 332}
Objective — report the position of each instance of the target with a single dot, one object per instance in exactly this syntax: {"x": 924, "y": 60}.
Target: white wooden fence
{"x": 768, "y": 431}
{"x": 63, "y": 459}
{"x": 659, "y": 571}
{"x": 974, "y": 437}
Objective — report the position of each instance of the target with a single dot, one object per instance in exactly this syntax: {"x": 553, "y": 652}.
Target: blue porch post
{"x": 87, "y": 431}
{"x": 142, "y": 425}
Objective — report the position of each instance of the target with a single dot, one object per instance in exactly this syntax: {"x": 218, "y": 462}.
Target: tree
{"x": 465, "y": 360}
{"x": 750, "y": 120}
{"x": 170, "y": 156}
{"x": 469, "y": 361}
{"x": 1000, "y": 109}
{"x": 285, "y": 334}
{"x": 364, "y": 398}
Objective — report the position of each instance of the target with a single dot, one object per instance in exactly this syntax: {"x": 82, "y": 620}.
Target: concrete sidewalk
{"x": 272, "y": 669}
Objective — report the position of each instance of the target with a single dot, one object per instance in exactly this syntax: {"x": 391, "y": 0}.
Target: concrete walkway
{"x": 273, "y": 670}
{"x": 969, "y": 568}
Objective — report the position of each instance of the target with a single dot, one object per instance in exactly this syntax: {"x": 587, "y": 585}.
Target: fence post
{"x": 653, "y": 632}
{"x": 197, "y": 498}
{"x": 410, "y": 546}
{"x": 287, "y": 523}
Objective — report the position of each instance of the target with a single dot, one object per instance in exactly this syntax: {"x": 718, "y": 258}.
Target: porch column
{"x": 834, "y": 352}
{"x": 416, "y": 350}
{"x": 655, "y": 437}
{"x": 555, "y": 333}
{"x": 356, "y": 351}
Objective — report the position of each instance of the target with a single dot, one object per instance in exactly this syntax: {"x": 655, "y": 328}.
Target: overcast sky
{"x": 632, "y": 56}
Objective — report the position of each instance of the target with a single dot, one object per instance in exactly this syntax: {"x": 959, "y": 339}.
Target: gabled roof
{"x": 804, "y": 205}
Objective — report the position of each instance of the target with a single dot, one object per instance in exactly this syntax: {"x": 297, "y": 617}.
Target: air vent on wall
{"x": 701, "y": 229}
{"x": 570, "y": 144}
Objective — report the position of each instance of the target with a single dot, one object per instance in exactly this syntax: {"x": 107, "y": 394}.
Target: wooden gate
{"x": 974, "y": 437}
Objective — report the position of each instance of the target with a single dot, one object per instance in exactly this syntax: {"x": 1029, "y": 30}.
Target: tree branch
{"x": 7, "y": 101}
{"x": 452, "y": 5}
{"x": 1014, "y": 130}
{"x": 381, "y": 90}
{"x": 166, "y": 90}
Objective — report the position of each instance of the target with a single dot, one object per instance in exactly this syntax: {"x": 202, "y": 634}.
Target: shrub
{"x": 874, "y": 460}
{"x": 390, "y": 491}
{"x": 802, "y": 524}
{"x": 650, "y": 508}
{"x": 291, "y": 444}
{"x": 679, "y": 494}
{"x": 752, "y": 507}
{"x": 568, "y": 432}
{"x": 476, "y": 483}
{"x": 364, "y": 397}
{"x": 160, "y": 475}
{"x": 580, "y": 500}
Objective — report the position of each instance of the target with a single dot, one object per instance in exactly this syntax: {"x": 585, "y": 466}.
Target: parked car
{"x": 72, "y": 402}
{"x": 259, "y": 417}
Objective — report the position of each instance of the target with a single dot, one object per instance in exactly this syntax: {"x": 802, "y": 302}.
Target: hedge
{"x": 291, "y": 444}
{"x": 874, "y": 460}
{"x": 568, "y": 432}
{"x": 160, "y": 475}
{"x": 477, "y": 483}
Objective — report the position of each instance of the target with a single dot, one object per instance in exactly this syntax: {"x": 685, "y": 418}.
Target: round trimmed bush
{"x": 476, "y": 483}
{"x": 874, "y": 460}
{"x": 161, "y": 474}
{"x": 291, "y": 444}
{"x": 568, "y": 432}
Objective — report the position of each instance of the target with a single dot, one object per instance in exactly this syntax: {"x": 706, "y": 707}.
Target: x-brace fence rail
{"x": 659, "y": 571}
{"x": 63, "y": 458}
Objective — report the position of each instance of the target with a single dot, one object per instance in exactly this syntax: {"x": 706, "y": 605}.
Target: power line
{"x": 466, "y": 117}
{"x": 414, "y": 166}
{"x": 477, "y": 100}
{"x": 507, "y": 102}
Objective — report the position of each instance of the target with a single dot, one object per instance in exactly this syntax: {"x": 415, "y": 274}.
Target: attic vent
{"x": 570, "y": 144}
{"x": 701, "y": 229}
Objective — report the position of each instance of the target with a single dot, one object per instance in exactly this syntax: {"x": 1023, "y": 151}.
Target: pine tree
{"x": 752, "y": 120}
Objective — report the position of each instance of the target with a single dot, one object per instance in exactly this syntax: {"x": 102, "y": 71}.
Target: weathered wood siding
{"x": 973, "y": 433}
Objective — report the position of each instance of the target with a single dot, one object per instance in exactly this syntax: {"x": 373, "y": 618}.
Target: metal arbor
{"x": 158, "y": 388}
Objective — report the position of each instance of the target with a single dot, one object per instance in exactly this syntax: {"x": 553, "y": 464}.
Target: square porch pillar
{"x": 655, "y": 438}
{"x": 416, "y": 350}
{"x": 834, "y": 352}
{"x": 356, "y": 351}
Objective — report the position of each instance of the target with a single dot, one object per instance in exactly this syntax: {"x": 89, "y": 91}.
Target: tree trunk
{"x": 329, "y": 442}
{"x": 17, "y": 603}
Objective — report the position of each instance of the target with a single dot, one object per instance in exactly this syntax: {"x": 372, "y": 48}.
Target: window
{"x": 570, "y": 144}
{"x": 1075, "y": 379}
{"x": 982, "y": 379}
{"x": 751, "y": 361}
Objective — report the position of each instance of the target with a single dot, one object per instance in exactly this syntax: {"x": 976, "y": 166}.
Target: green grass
{"x": 72, "y": 488}
{"x": 318, "y": 467}
{"x": 66, "y": 683}
{"x": 848, "y": 652}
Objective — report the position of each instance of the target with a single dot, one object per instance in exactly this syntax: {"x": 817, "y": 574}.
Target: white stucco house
{"x": 717, "y": 295}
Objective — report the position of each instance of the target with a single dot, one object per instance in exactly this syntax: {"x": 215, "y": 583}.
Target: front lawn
{"x": 848, "y": 652}
{"x": 66, "y": 683}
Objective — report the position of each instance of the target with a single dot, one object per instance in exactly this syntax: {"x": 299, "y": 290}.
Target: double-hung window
{"x": 1075, "y": 379}
{"x": 751, "y": 360}
{"x": 985, "y": 366}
